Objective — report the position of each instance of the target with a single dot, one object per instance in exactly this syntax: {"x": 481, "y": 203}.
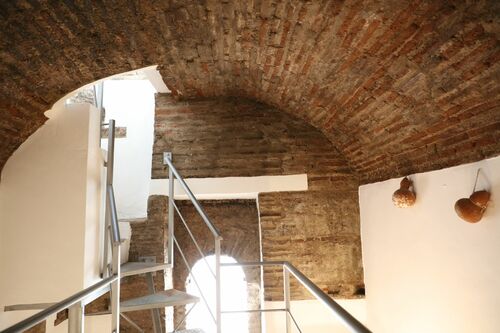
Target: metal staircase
{"x": 112, "y": 272}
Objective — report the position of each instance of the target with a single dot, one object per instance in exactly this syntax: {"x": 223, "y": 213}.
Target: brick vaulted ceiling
{"x": 397, "y": 86}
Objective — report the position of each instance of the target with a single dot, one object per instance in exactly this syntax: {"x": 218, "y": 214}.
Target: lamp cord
{"x": 475, "y": 183}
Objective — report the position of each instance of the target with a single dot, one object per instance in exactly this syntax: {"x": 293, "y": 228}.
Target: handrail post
{"x": 84, "y": 295}
{"x": 218, "y": 305}
{"x": 111, "y": 152}
{"x": 115, "y": 290}
{"x": 170, "y": 244}
{"x": 109, "y": 181}
{"x": 76, "y": 320}
{"x": 113, "y": 230}
{"x": 286, "y": 298}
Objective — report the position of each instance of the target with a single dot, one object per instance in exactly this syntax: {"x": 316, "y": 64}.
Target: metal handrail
{"x": 193, "y": 199}
{"x": 64, "y": 304}
{"x": 115, "y": 231}
{"x": 342, "y": 315}
{"x": 172, "y": 174}
{"x": 345, "y": 317}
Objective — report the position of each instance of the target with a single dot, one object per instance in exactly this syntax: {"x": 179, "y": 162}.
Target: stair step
{"x": 158, "y": 300}
{"x": 134, "y": 268}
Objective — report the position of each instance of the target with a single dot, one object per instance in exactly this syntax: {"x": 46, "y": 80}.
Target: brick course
{"x": 397, "y": 86}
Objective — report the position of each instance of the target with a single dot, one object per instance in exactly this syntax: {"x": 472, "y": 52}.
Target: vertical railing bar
{"x": 286, "y": 296}
{"x": 194, "y": 279}
{"x": 167, "y": 160}
{"x": 115, "y": 290}
{"x": 218, "y": 300}
{"x": 109, "y": 181}
{"x": 113, "y": 216}
{"x": 114, "y": 230}
{"x": 101, "y": 95}
{"x": 76, "y": 322}
{"x": 193, "y": 238}
{"x": 170, "y": 230}
{"x": 105, "y": 260}
{"x": 42, "y": 315}
{"x": 111, "y": 152}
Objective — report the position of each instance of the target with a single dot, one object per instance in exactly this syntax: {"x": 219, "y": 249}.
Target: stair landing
{"x": 134, "y": 268}
{"x": 160, "y": 299}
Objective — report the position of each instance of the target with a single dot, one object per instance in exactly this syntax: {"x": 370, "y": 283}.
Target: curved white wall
{"x": 49, "y": 218}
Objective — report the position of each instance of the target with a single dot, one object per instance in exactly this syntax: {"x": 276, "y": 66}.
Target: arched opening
{"x": 234, "y": 296}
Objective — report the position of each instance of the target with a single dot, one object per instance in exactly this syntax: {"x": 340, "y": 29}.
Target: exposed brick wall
{"x": 397, "y": 86}
{"x": 238, "y": 223}
{"x": 238, "y": 137}
{"x": 317, "y": 230}
{"x": 149, "y": 238}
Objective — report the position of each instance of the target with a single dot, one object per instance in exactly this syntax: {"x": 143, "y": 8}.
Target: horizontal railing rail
{"x": 338, "y": 311}
{"x": 62, "y": 305}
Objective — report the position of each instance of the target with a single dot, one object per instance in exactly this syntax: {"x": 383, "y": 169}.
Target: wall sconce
{"x": 404, "y": 197}
{"x": 472, "y": 209}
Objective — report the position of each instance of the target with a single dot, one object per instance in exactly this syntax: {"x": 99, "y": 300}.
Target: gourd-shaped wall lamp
{"x": 472, "y": 209}
{"x": 405, "y": 196}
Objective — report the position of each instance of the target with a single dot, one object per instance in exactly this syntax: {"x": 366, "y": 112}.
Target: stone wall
{"x": 149, "y": 239}
{"x": 317, "y": 230}
{"x": 226, "y": 137}
{"x": 238, "y": 223}
{"x": 398, "y": 86}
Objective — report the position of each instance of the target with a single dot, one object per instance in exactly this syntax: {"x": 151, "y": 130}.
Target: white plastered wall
{"x": 426, "y": 270}
{"x": 312, "y": 316}
{"x": 131, "y": 103}
{"x": 48, "y": 212}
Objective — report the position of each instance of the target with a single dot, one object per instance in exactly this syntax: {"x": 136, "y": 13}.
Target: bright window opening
{"x": 234, "y": 296}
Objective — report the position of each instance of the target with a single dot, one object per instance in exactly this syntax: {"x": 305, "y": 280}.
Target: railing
{"x": 74, "y": 303}
{"x": 288, "y": 269}
{"x": 112, "y": 229}
{"x": 172, "y": 208}
{"x": 110, "y": 271}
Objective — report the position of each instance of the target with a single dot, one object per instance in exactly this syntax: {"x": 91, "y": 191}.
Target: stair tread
{"x": 160, "y": 299}
{"x": 134, "y": 268}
